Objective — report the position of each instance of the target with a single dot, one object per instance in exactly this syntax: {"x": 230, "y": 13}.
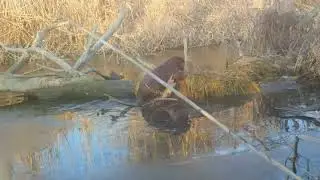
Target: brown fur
{"x": 150, "y": 88}
{"x": 170, "y": 115}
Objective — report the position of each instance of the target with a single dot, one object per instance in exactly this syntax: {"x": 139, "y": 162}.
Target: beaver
{"x": 167, "y": 114}
{"x": 150, "y": 89}
{"x": 164, "y": 113}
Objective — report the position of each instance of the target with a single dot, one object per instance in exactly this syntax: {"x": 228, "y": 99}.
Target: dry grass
{"x": 241, "y": 78}
{"x": 152, "y": 25}
{"x": 201, "y": 87}
{"x": 292, "y": 34}
{"x": 12, "y": 98}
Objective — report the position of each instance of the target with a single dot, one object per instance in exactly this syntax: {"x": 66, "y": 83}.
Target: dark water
{"x": 79, "y": 141}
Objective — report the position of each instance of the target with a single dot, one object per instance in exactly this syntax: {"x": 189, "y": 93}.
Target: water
{"x": 77, "y": 141}
{"x": 205, "y": 59}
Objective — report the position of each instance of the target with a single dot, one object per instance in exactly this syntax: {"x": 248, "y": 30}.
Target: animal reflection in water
{"x": 167, "y": 114}
{"x": 159, "y": 107}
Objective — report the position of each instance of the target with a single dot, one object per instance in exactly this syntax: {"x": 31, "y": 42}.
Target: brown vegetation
{"x": 152, "y": 24}
{"x": 11, "y": 98}
{"x": 290, "y": 30}
{"x": 241, "y": 78}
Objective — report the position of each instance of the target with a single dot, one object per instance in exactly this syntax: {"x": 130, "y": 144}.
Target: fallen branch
{"x": 49, "y": 68}
{"x": 121, "y": 102}
{"x": 32, "y": 71}
{"x": 65, "y": 82}
{"x": 53, "y": 58}
{"x": 65, "y": 66}
{"x": 54, "y": 87}
{"x": 87, "y": 55}
{"x": 30, "y": 75}
{"x": 90, "y": 40}
{"x": 38, "y": 43}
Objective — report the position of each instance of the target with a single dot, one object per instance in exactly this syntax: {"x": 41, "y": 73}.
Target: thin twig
{"x": 34, "y": 75}
{"x": 166, "y": 93}
{"x": 87, "y": 55}
{"x": 199, "y": 109}
{"x": 90, "y": 40}
{"x": 98, "y": 73}
{"x": 185, "y": 52}
{"x": 159, "y": 99}
{"x": 32, "y": 71}
{"x": 49, "y": 68}
{"x": 119, "y": 101}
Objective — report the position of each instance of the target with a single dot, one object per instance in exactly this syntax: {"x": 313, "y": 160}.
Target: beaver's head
{"x": 177, "y": 62}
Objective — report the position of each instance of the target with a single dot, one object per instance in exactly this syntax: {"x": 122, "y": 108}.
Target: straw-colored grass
{"x": 293, "y": 34}
{"x": 151, "y": 25}
{"x": 201, "y": 87}
{"x": 156, "y": 25}
{"x": 241, "y": 78}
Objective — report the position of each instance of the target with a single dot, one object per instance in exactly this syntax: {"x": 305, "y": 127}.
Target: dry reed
{"x": 241, "y": 78}
{"x": 154, "y": 25}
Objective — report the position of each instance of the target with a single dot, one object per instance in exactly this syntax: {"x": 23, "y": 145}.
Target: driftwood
{"x": 68, "y": 80}
{"x": 87, "y": 55}
{"x": 53, "y": 87}
{"x": 37, "y": 43}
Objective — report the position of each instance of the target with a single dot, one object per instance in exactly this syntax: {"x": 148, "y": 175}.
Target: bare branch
{"x": 120, "y": 102}
{"x": 65, "y": 66}
{"x": 87, "y": 55}
{"x": 54, "y": 86}
{"x": 28, "y": 75}
{"x": 17, "y": 50}
{"x": 167, "y": 92}
{"x": 18, "y": 65}
{"x": 91, "y": 40}
{"x": 32, "y": 71}
{"x": 49, "y": 68}
{"x": 53, "y": 58}
{"x": 38, "y": 42}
